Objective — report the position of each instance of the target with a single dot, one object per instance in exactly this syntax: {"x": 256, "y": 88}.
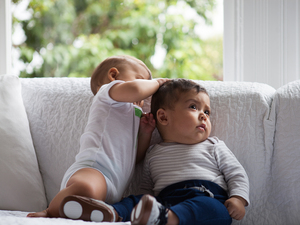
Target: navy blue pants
{"x": 191, "y": 205}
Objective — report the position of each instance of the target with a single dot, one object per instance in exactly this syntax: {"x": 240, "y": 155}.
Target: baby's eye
{"x": 193, "y": 107}
{"x": 207, "y": 112}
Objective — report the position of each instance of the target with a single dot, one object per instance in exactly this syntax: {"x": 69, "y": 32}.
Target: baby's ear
{"x": 162, "y": 117}
{"x": 112, "y": 73}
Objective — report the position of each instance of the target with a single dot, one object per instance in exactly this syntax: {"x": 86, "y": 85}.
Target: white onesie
{"x": 109, "y": 142}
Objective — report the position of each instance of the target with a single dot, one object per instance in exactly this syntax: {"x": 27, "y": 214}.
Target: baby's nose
{"x": 202, "y": 116}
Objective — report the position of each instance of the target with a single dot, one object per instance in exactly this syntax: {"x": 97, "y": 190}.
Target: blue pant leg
{"x": 202, "y": 210}
{"x": 125, "y": 206}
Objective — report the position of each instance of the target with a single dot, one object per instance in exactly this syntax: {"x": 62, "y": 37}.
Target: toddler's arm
{"x": 136, "y": 90}
{"x": 147, "y": 125}
{"x": 236, "y": 207}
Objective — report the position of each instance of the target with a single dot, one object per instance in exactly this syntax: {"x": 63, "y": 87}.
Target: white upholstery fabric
{"x": 58, "y": 108}
{"x": 21, "y": 186}
{"x": 286, "y": 161}
{"x": 240, "y": 117}
{"x": 19, "y": 218}
{"x": 57, "y": 111}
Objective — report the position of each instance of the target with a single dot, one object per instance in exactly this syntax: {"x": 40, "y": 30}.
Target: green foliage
{"x": 73, "y": 36}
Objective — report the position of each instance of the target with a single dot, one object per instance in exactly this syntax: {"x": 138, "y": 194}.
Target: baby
{"x": 115, "y": 138}
{"x": 190, "y": 171}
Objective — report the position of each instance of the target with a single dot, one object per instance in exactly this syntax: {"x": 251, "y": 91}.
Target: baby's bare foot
{"x": 38, "y": 214}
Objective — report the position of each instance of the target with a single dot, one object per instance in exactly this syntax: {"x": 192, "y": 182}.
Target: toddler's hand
{"x": 147, "y": 123}
{"x": 160, "y": 81}
{"x": 236, "y": 207}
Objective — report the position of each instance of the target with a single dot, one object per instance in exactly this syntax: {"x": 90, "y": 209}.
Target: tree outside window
{"x": 69, "y": 38}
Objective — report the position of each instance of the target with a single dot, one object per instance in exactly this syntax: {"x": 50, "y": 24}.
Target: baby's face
{"x": 189, "y": 121}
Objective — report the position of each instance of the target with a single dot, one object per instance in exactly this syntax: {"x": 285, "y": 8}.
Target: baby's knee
{"x": 88, "y": 183}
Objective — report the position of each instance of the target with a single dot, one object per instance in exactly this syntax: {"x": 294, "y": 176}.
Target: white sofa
{"x": 46, "y": 116}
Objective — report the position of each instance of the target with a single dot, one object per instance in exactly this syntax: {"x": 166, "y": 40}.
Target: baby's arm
{"x": 136, "y": 90}
{"x": 147, "y": 125}
{"x": 236, "y": 179}
{"x": 236, "y": 207}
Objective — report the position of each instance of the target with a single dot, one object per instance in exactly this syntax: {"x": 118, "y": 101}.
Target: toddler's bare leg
{"x": 86, "y": 182}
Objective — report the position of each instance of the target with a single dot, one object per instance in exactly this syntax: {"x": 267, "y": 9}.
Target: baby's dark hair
{"x": 168, "y": 93}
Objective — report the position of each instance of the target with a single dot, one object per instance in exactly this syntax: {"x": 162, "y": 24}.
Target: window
{"x": 70, "y": 38}
{"x": 261, "y": 42}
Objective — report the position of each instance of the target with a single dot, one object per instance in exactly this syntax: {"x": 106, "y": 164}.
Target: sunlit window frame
{"x": 5, "y": 36}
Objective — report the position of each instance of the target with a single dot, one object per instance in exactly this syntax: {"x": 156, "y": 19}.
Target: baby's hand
{"x": 236, "y": 207}
{"x": 147, "y": 123}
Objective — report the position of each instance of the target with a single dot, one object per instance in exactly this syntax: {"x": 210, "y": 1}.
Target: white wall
{"x": 262, "y": 41}
{"x": 5, "y": 37}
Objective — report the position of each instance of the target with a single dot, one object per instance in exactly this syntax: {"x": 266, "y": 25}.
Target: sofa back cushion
{"x": 240, "y": 117}
{"x": 58, "y": 109}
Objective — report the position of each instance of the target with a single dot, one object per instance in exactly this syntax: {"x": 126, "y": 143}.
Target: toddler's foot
{"x": 88, "y": 209}
{"x": 148, "y": 212}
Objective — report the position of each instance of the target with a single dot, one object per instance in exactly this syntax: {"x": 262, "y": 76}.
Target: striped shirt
{"x": 211, "y": 160}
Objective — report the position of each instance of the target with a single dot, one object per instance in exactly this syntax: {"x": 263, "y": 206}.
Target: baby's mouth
{"x": 202, "y": 127}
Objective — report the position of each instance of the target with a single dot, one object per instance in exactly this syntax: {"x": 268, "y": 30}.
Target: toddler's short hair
{"x": 168, "y": 93}
{"x": 114, "y": 61}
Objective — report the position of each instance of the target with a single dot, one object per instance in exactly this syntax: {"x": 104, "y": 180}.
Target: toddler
{"x": 115, "y": 138}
